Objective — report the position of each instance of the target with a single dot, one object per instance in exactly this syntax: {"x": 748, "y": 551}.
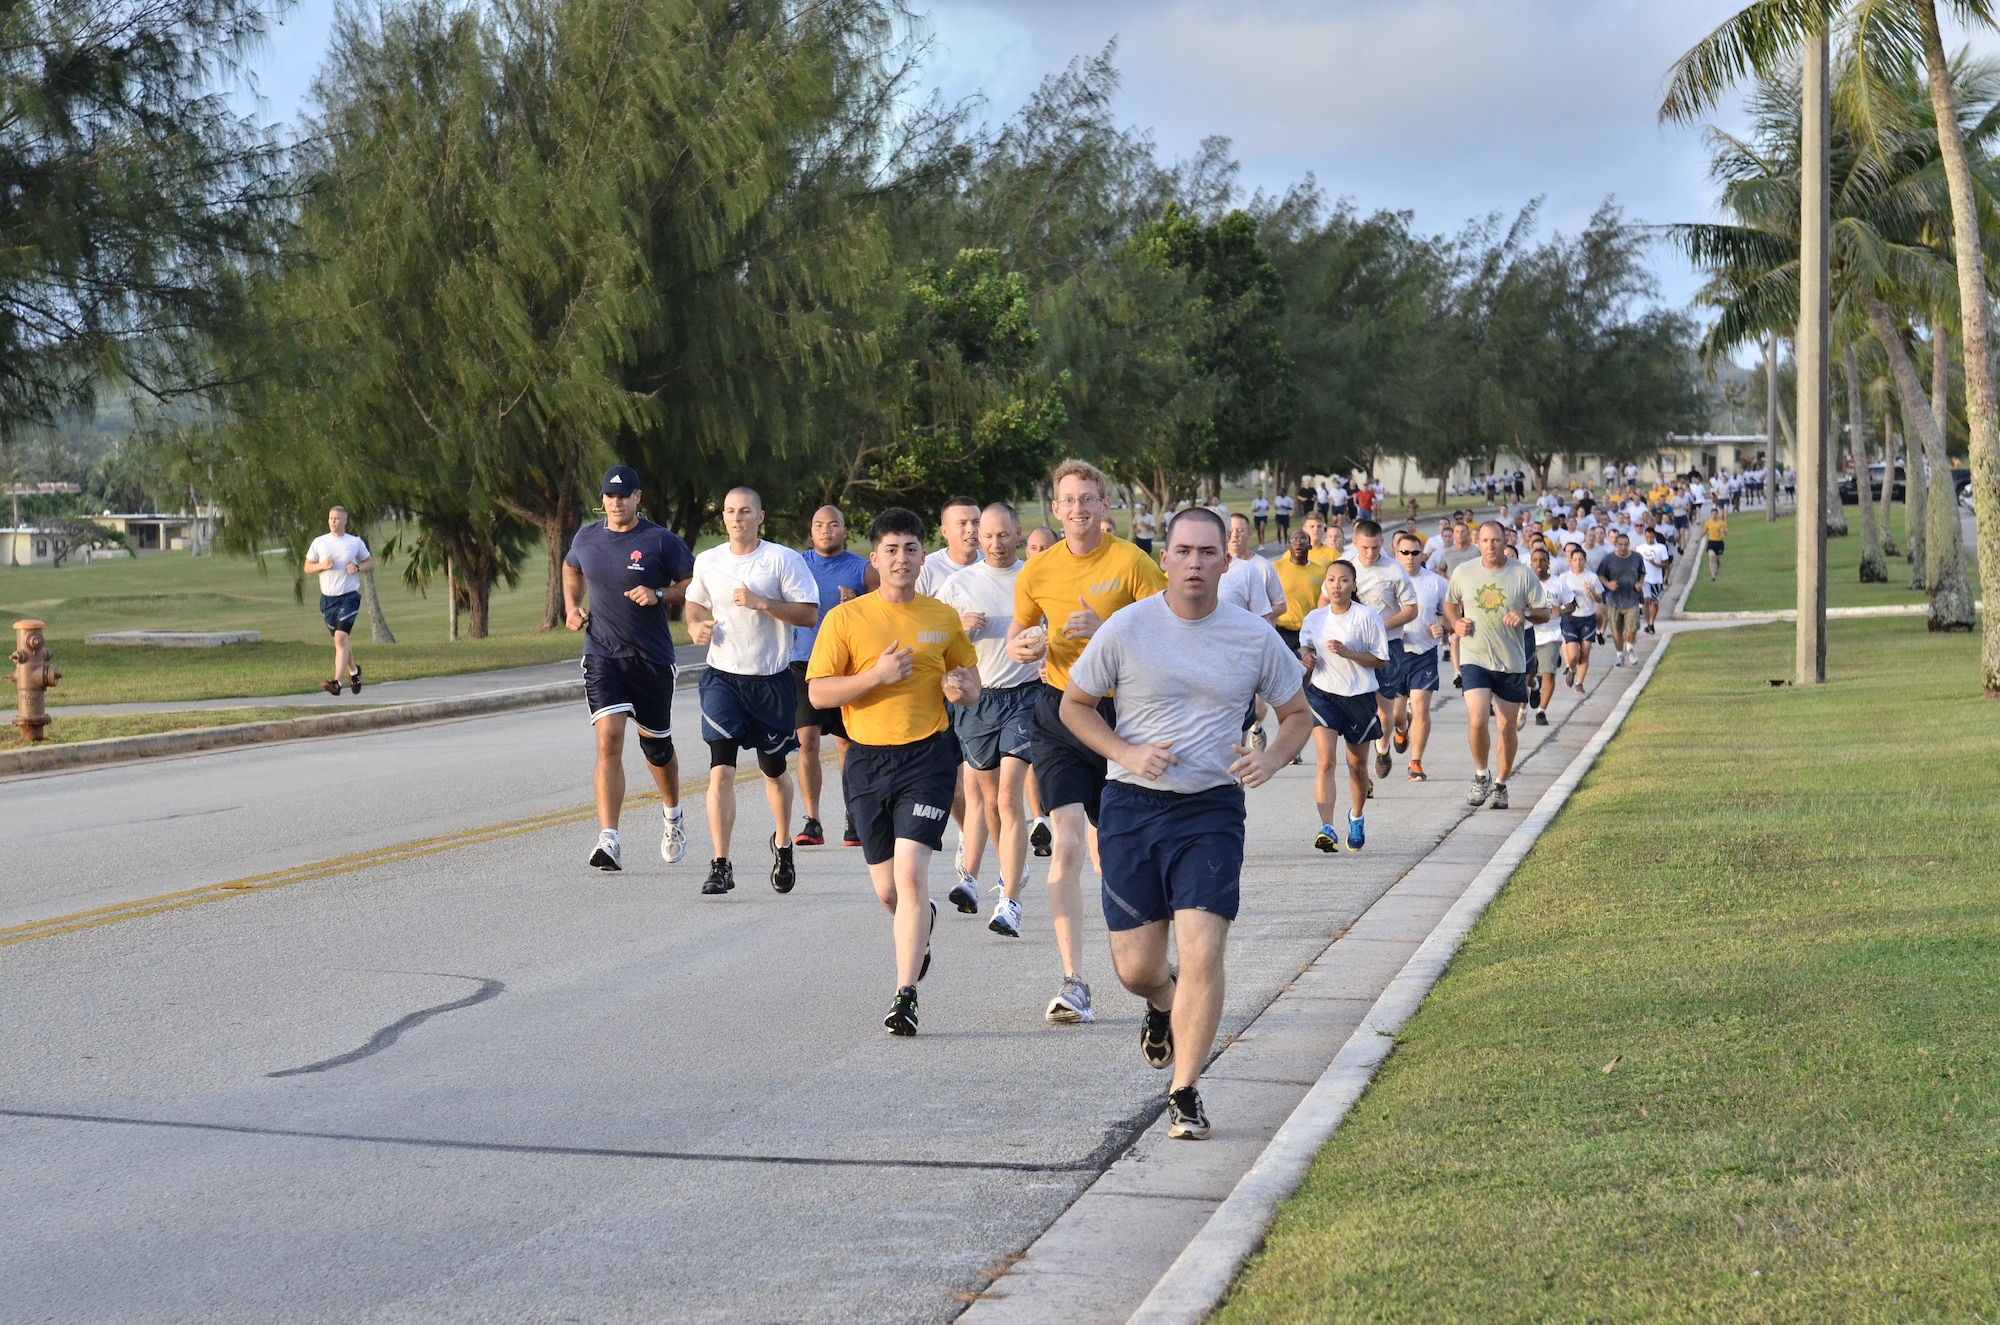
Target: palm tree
{"x": 1768, "y": 34}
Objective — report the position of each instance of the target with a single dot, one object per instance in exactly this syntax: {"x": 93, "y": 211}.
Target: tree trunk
{"x": 378, "y": 625}
{"x": 1976, "y": 342}
{"x": 564, "y": 516}
{"x": 1810, "y": 349}
{"x": 1836, "y": 514}
{"x": 1883, "y": 505}
{"x": 1944, "y": 540}
{"x": 450, "y": 602}
{"x": 1913, "y": 506}
{"x": 1872, "y": 569}
{"x": 1922, "y": 420}
{"x": 1773, "y": 465}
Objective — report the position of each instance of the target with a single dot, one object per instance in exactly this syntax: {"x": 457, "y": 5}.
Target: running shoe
{"x": 1649, "y": 631}
{"x": 354, "y": 679}
{"x": 1071, "y": 1003}
{"x": 1040, "y": 838}
{"x": 721, "y": 877}
{"x": 1357, "y": 833}
{"x": 812, "y": 835}
{"x": 1401, "y": 742}
{"x": 848, "y": 837}
{"x": 1482, "y": 787}
{"x": 783, "y": 876}
{"x": 673, "y": 839}
{"x": 1257, "y": 738}
{"x": 1381, "y": 763}
{"x": 1417, "y": 773}
{"x": 1006, "y": 918}
{"x": 1541, "y": 717}
{"x": 1499, "y": 801}
{"x": 925, "y": 969}
{"x": 331, "y": 687}
{"x": 1156, "y": 1037}
{"x": 902, "y": 1018}
{"x": 605, "y": 857}
{"x": 1327, "y": 840}
{"x": 1618, "y": 658}
{"x": 965, "y": 895}
{"x": 958, "y": 858}
{"x": 1569, "y": 677}
{"x": 1188, "y": 1121}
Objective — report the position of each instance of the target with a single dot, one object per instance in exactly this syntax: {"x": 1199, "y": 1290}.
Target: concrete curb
{"x": 1197, "y": 1280}
{"x": 1832, "y": 613}
{"x": 44, "y": 759}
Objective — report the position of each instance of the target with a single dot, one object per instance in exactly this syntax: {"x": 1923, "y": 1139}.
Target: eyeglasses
{"x": 1065, "y": 503}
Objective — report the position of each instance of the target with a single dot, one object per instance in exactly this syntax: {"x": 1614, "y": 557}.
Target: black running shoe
{"x": 812, "y": 835}
{"x": 1541, "y": 717}
{"x": 1401, "y": 741}
{"x": 1040, "y": 838}
{"x": 354, "y": 676}
{"x": 721, "y": 877}
{"x": 331, "y": 687}
{"x": 848, "y": 837}
{"x": 1156, "y": 1037}
{"x": 1190, "y": 1122}
{"x": 902, "y": 1018}
{"x": 925, "y": 969}
{"x": 783, "y": 876}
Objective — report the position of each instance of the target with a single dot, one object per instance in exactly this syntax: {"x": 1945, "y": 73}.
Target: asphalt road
{"x": 475, "y": 1080}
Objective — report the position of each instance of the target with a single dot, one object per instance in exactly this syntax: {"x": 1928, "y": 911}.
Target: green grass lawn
{"x": 1726, "y": 1047}
{"x": 1760, "y": 569}
{"x": 68, "y": 731}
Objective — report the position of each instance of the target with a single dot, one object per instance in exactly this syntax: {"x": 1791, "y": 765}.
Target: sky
{"x": 1447, "y": 109}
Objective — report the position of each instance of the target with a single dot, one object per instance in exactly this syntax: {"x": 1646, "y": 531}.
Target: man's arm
{"x": 832, "y": 692}
{"x": 1080, "y": 715}
{"x": 573, "y": 591}
{"x": 674, "y": 593}
{"x": 791, "y": 613}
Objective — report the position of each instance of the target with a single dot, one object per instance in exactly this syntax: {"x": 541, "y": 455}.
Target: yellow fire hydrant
{"x": 34, "y": 672}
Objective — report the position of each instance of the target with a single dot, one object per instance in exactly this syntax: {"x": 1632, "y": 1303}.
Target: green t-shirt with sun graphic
{"x": 1485, "y": 596}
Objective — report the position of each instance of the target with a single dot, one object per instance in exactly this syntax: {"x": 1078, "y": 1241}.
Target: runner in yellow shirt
{"x": 1303, "y": 581}
{"x": 1715, "y": 529}
{"x": 889, "y": 661}
{"x": 1061, "y": 597}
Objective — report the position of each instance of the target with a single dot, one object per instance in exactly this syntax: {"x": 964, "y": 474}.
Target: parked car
{"x": 1961, "y": 482}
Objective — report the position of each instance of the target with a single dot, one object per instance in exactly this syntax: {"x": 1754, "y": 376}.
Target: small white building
{"x": 26, "y": 545}
{"x": 153, "y": 531}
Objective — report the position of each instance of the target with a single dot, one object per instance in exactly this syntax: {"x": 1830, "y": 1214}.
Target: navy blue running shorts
{"x": 1000, "y": 724}
{"x": 340, "y": 609}
{"x": 1507, "y": 687}
{"x": 1394, "y": 680}
{"x": 1166, "y": 851}
{"x": 637, "y": 686}
{"x": 1420, "y": 670}
{"x": 1067, "y": 772}
{"x": 901, "y": 791}
{"x": 1351, "y": 717}
{"x": 1579, "y": 629}
{"x": 756, "y": 712}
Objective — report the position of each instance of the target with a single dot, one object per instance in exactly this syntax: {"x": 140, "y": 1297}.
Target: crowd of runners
{"x": 1067, "y": 693}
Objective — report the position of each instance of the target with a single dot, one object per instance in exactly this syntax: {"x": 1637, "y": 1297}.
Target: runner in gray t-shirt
{"x": 1185, "y": 667}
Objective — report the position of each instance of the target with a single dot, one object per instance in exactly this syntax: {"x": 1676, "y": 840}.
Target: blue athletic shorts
{"x": 340, "y": 609}
{"x": 1579, "y": 629}
{"x": 901, "y": 791}
{"x": 1000, "y": 723}
{"x": 1352, "y": 717}
{"x": 1394, "y": 680}
{"x": 1507, "y": 687}
{"x": 1420, "y": 670}
{"x": 754, "y": 711}
{"x": 1165, "y": 851}
{"x": 636, "y": 686}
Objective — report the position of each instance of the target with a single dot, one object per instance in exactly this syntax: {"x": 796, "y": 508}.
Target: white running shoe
{"x": 1006, "y": 918}
{"x": 606, "y": 856}
{"x": 673, "y": 841}
{"x": 965, "y": 894}
{"x": 1071, "y": 1003}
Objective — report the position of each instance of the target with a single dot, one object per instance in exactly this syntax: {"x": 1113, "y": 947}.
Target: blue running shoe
{"x": 1357, "y": 833}
{"x": 1327, "y": 840}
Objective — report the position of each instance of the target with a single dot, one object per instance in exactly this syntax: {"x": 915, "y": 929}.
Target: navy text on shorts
{"x": 901, "y": 791}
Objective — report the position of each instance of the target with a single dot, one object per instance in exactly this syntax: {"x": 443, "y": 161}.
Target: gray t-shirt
{"x": 1186, "y": 682}
{"x": 1383, "y": 587}
{"x": 1624, "y": 575}
{"x": 1484, "y": 597}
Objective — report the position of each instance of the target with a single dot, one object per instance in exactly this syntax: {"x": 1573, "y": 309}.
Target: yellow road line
{"x": 322, "y": 869}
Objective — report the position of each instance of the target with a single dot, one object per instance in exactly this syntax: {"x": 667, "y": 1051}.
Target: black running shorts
{"x": 636, "y": 686}
{"x": 1067, "y": 772}
{"x": 901, "y": 791}
{"x": 805, "y": 715}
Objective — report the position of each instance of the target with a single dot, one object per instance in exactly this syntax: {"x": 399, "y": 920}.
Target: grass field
{"x": 1725, "y": 1049}
{"x": 1760, "y": 569}
{"x": 68, "y": 731}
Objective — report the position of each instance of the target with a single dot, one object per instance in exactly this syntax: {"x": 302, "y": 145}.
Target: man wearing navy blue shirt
{"x": 841, "y": 575}
{"x": 632, "y": 570}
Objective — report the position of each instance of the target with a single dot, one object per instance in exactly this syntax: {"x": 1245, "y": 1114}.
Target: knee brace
{"x": 772, "y": 766}
{"x": 659, "y": 750}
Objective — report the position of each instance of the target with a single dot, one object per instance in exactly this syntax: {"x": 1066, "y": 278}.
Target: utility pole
{"x": 1809, "y": 347}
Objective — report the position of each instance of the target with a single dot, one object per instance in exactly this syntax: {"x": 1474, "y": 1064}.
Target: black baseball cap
{"x": 620, "y": 481}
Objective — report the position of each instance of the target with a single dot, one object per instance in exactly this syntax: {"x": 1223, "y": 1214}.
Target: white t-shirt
{"x": 748, "y": 642}
{"x": 338, "y": 549}
{"x": 1283, "y": 503}
{"x": 939, "y": 567}
{"x": 1360, "y": 629}
{"x": 1244, "y": 585}
{"x": 1551, "y": 631}
{"x": 1187, "y": 682}
{"x": 982, "y": 588}
{"x": 1583, "y": 588}
{"x": 1656, "y": 556}
{"x": 1429, "y": 587}
{"x": 1259, "y": 508}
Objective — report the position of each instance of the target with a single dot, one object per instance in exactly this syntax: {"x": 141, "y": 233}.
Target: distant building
{"x": 25, "y": 545}
{"x": 155, "y": 532}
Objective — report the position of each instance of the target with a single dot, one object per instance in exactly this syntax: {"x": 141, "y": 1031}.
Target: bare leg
{"x": 1140, "y": 957}
{"x": 1071, "y": 826}
{"x": 1011, "y": 835}
{"x": 902, "y": 885}
{"x": 667, "y": 777}
{"x": 610, "y": 779}
{"x": 778, "y": 795}
{"x": 1326, "y": 777}
{"x": 343, "y": 655}
{"x": 1420, "y": 722}
{"x": 1357, "y": 780}
{"x": 1509, "y": 716}
{"x": 812, "y": 775}
{"x": 1034, "y": 795}
{"x": 721, "y": 807}
{"x": 982, "y": 813}
{"x": 1477, "y": 731}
